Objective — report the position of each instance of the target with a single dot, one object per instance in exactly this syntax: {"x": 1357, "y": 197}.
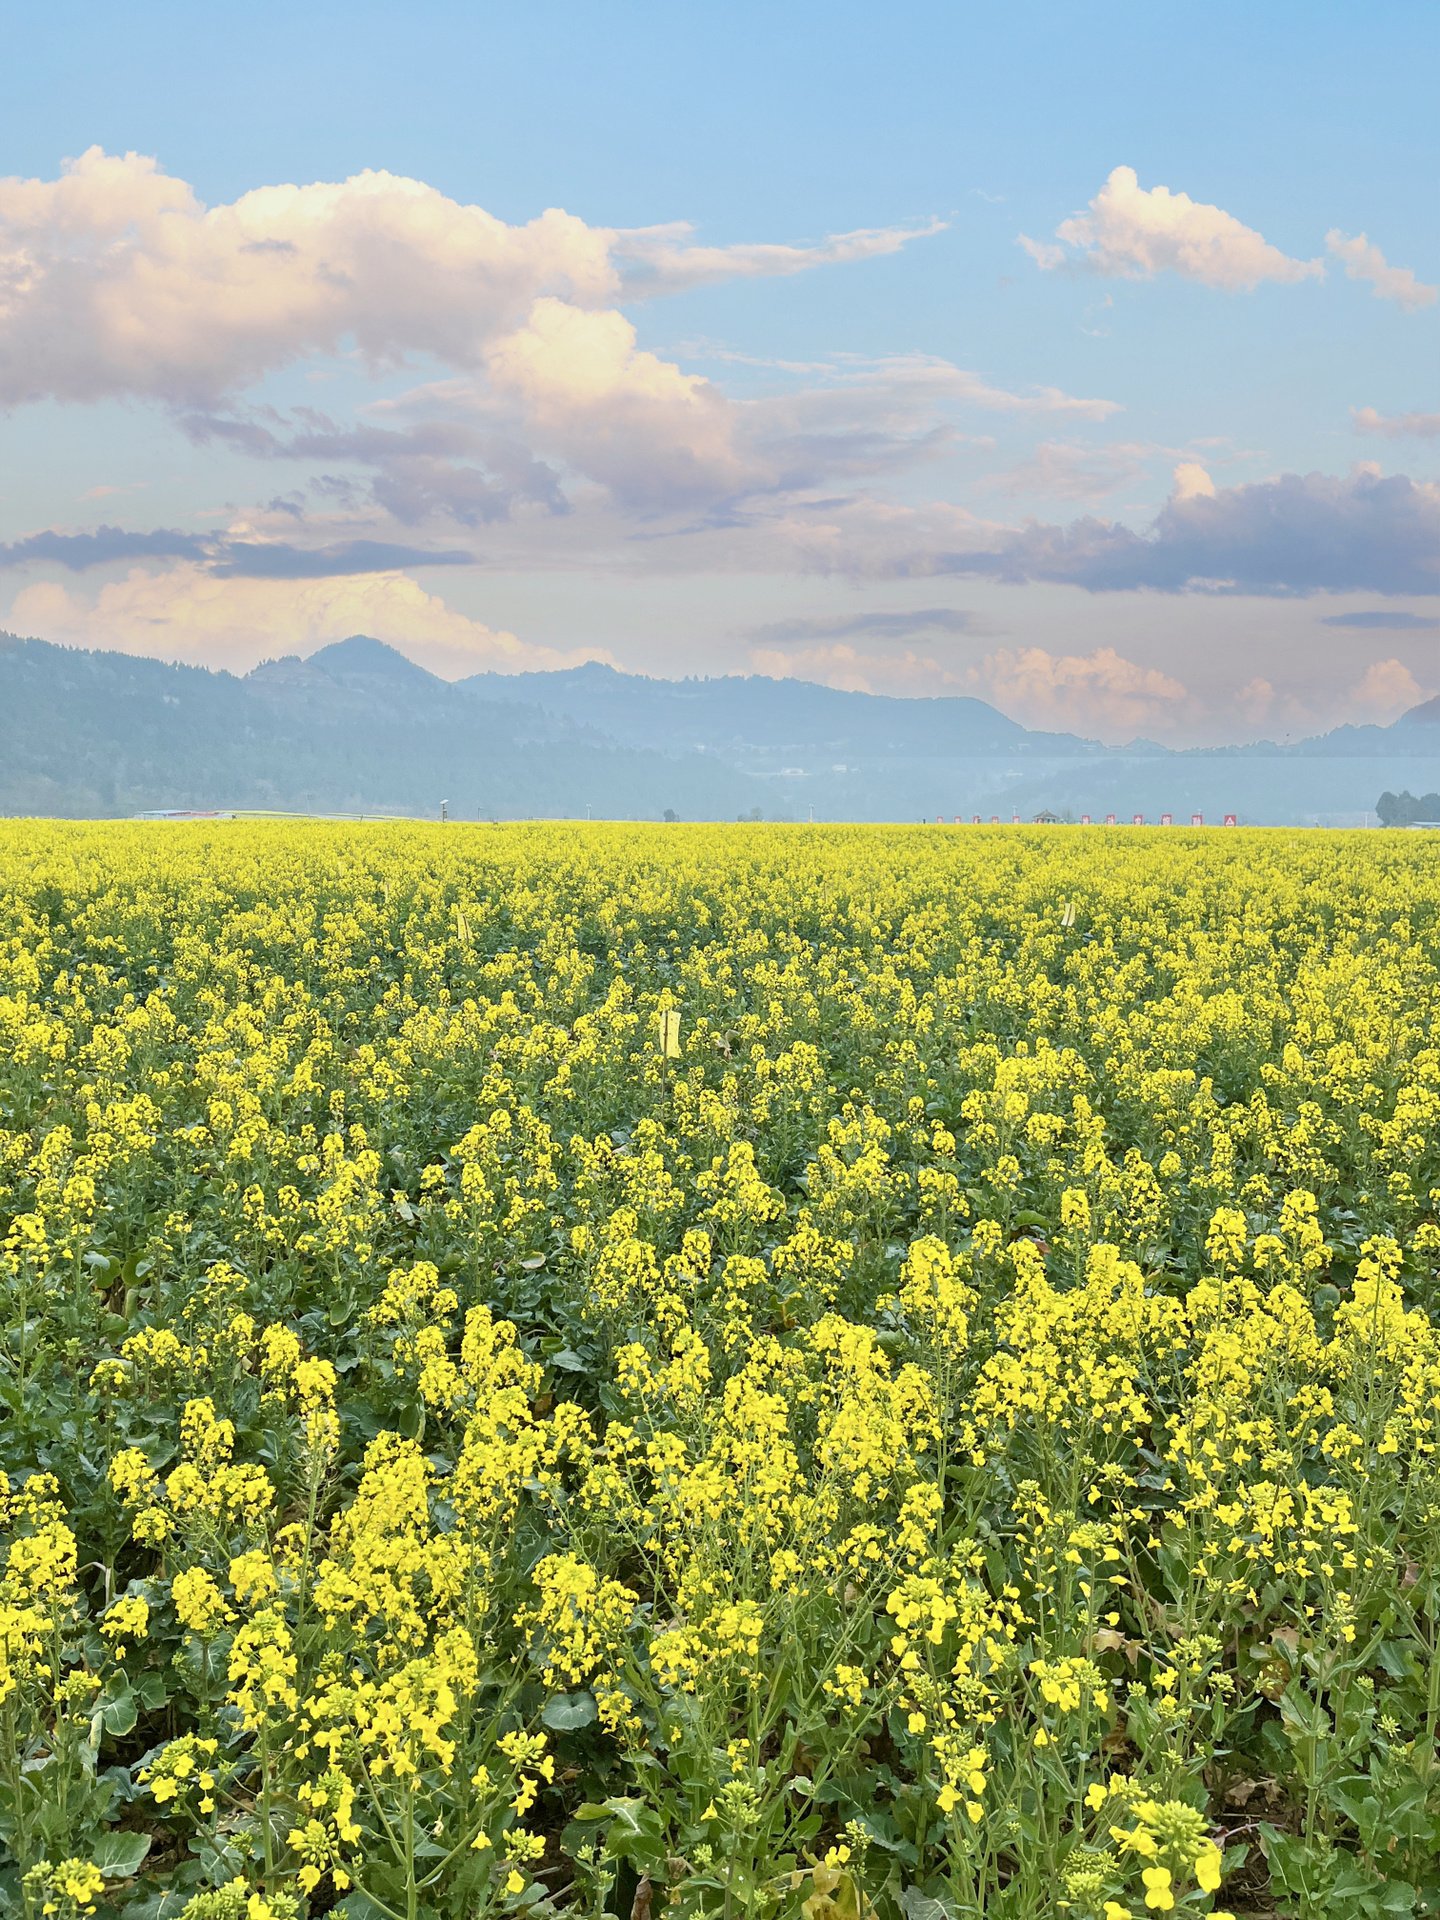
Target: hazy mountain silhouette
{"x": 359, "y": 727}
{"x": 355, "y": 728}
{"x": 751, "y": 716}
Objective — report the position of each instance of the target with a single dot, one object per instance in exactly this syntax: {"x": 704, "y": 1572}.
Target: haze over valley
{"x": 357, "y": 727}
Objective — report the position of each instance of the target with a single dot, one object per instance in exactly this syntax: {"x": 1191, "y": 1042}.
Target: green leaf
{"x": 916, "y": 1905}
{"x": 1396, "y": 1896}
{"x": 221, "y": 1859}
{"x": 881, "y": 1833}
{"x": 118, "y": 1855}
{"x": 169, "y": 1901}
{"x": 359, "y": 1906}
{"x": 152, "y": 1692}
{"x": 568, "y": 1711}
{"x": 1302, "y": 1715}
{"x": 636, "y": 1831}
{"x": 119, "y": 1713}
{"x": 1397, "y": 1658}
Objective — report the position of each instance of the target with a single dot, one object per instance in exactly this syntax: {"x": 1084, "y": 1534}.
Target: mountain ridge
{"x": 357, "y": 725}
{"x": 765, "y": 712}
{"x": 87, "y": 732}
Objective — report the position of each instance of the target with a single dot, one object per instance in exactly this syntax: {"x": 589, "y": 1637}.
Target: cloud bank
{"x": 1382, "y": 618}
{"x": 1107, "y": 692}
{"x": 115, "y": 279}
{"x": 1298, "y": 534}
{"x": 539, "y": 433}
{"x": 1396, "y": 426}
{"x": 189, "y": 614}
{"x": 1100, "y": 692}
{"x": 225, "y": 555}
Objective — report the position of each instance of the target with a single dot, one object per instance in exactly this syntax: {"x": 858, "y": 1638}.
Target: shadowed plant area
{"x": 947, "y": 1428}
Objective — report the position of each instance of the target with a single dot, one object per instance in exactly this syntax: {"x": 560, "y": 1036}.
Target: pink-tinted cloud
{"x": 1396, "y": 426}
{"x": 1363, "y": 260}
{"x": 1385, "y": 690}
{"x": 116, "y": 279}
{"x": 1363, "y": 532}
{"x": 1059, "y": 470}
{"x": 653, "y": 435}
{"x": 665, "y": 260}
{"x": 1130, "y": 232}
{"x": 189, "y": 614}
{"x": 1100, "y": 692}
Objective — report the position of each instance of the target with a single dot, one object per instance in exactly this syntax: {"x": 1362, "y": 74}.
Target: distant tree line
{"x": 1404, "y": 809}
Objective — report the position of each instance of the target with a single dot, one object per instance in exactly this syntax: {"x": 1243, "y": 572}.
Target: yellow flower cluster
{"x": 965, "y": 1431}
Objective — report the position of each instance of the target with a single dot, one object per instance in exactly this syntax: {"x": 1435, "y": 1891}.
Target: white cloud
{"x": 116, "y": 279}
{"x": 1396, "y": 426}
{"x": 574, "y": 390}
{"x": 1192, "y": 482}
{"x": 928, "y": 374}
{"x": 921, "y": 374}
{"x": 1256, "y": 700}
{"x": 1363, "y": 260}
{"x": 564, "y": 357}
{"x": 1100, "y": 692}
{"x": 1385, "y": 690}
{"x": 184, "y": 613}
{"x": 661, "y": 260}
{"x": 653, "y": 435}
{"x": 1131, "y": 232}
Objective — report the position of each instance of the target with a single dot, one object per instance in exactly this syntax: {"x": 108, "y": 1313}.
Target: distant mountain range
{"x": 357, "y": 727}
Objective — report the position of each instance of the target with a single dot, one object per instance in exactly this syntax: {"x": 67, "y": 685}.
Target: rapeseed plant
{"x": 959, "y": 1439}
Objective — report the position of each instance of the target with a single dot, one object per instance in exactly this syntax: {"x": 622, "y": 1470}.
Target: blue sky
{"x": 1170, "y": 470}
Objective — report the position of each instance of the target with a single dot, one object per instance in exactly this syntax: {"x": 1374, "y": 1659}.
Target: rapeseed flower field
{"x": 948, "y": 1427}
